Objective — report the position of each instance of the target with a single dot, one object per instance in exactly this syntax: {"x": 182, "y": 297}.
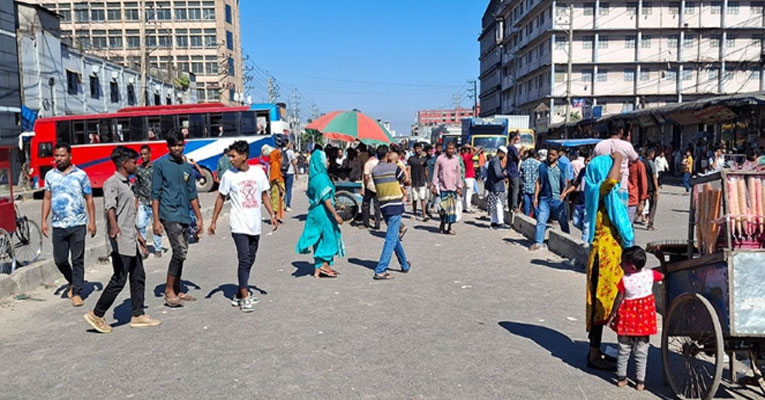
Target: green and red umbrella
{"x": 348, "y": 126}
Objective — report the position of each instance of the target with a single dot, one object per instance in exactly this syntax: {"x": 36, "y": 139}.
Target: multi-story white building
{"x": 625, "y": 55}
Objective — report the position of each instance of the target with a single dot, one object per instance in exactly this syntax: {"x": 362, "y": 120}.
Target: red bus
{"x": 209, "y": 128}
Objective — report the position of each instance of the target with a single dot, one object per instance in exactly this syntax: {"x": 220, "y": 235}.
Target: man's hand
{"x": 434, "y": 190}
{"x": 157, "y": 228}
{"x": 459, "y": 192}
{"x": 536, "y": 203}
{"x": 142, "y": 244}
{"x": 274, "y": 222}
{"x": 92, "y": 228}
{"x": 211, "y": 229}
{"x": 44, "y": 228}
{"x": 115, "y": 231}
{"x": 338, "y": 219}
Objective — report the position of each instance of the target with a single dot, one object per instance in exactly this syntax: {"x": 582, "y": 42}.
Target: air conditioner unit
{"x": 95, "y": 69}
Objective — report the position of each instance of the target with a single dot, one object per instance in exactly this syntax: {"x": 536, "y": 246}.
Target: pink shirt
{"x": 446, "y": 174}
{"x": 610, "y": 146}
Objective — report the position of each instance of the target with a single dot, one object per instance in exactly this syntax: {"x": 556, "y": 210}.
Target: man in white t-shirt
{"x": 247, "y": 187}
{"x": 289, "y": 178}
{"x": 618, "y": 143}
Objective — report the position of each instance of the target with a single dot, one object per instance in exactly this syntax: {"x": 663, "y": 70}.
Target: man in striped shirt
{"x": 389, "y": 181}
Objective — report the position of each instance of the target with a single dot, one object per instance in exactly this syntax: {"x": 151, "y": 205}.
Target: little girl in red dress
{"x": 633, "y": 316}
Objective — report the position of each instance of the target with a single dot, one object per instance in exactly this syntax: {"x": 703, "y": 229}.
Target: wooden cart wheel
{"x": 7, "y": 257}
{"x": 692, "y": 347}
{"x": 346, "y": 205}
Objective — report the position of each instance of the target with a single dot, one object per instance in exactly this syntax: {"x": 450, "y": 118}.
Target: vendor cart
{"x": 20, "y": 238}
{"x": 348, "y": 200}
{"x": 714, "y": 297}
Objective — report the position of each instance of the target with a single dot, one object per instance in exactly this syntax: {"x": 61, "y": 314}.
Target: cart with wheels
{"x": 714, "y": 296}
{"x": 348, "y": 200}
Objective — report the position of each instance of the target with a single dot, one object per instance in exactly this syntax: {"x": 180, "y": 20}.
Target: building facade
{"x": 625, "y": 55}
{"x": 199, "y": 37}
{"x": 490, "y": 58}
{"x": 10, "y": 101}
{"x": 438, "y": 117}
{"x": 60, "y": 80}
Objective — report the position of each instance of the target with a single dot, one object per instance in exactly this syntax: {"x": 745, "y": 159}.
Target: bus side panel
{"x": 95, "y": 159}
{"x": 44, "y": 139}
{"x": 207, "y": 152}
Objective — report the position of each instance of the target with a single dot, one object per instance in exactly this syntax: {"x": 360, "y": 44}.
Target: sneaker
{"x": 535, "y": 247}
{"x": 247, "y": 305}
{"x": 236, "y": 302}
{"x": 143, "y": 321}
{"x": 287, "y": 209}
{"x": 158, "y": 254}
{"x": 97, "y": 323}
{"x": 77, "y": 301}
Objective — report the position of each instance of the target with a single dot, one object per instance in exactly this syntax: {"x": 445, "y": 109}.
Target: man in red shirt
{"x": 467, "y": 154}
{"x": 638, "y": 187}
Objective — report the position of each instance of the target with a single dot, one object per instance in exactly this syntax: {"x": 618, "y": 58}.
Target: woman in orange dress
{"x": 612, "y": 232}
{"x": 277, "y": 182}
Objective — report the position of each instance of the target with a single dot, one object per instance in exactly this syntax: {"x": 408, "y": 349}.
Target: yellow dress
{"x": 607, "y": 252}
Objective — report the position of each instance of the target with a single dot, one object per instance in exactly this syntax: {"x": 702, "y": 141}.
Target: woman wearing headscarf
{"x": 322, "y": 230}
{"x": 612, "y": 232}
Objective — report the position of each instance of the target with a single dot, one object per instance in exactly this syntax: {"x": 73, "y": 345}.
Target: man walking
{"x": 389, "y": 182}
{"x": 245, "y": 185}
{"x": 173, "y": 194}
{"x": 419, "y": 175}
{"x": 529, "y": 175}
{"x": 637, "y": 190}
{"x": 547, "y": 196}
{"x": 119, "y": 203}
{"x": 618, "y": 142}
{"x": 142, "y": 190}
{"x": 447, "y": 182}
{"x": 495, "y": 185}
{"x": 431, "y": 164}
{"x": 369, "y": 193}
{"x": 652, "y": 172}
{"x": 67, "y": 194}
{"x": 513, "y": 175}
{"x": 289, "y": 177}
{"x": 467, "y": 154}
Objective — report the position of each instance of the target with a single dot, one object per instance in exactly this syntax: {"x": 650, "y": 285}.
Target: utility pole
{"x": 144, "y": 61}
{"x": 474, "y": 95}
{"x": 314, "y": 111}
{"x": 570, "y": 59}
{"x": 457, "y": 101}
{"x": 272, "y": 90}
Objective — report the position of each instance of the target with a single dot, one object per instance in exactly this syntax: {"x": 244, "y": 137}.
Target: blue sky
{"x": 387, "y": 58}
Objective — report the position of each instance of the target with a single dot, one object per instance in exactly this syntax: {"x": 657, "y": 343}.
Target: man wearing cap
{"x": 495, "y": 185}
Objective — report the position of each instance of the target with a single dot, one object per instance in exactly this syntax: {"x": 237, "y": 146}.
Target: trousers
{"x": 467, "y": 195}
{"x": 124, "y": 267}
{"x": 637, "y": 345}
{"x": 289, "y": 179}
{"x": 177, "y": 235}
{"x": 514, "y": 193}
{"x": 66, "y": 241}
{"x": 392, "y": 244}
{"x": 370, "y": 201}
{"x": 246, "y": 250}
{"x": 143, "y": 219}
{"x": 549, "y": 206}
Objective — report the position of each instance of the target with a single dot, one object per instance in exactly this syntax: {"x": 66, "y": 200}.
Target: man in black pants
{"x": 119, "y": 203}
{"x": 174, "y": 193}
{"x": 369, "y": 193}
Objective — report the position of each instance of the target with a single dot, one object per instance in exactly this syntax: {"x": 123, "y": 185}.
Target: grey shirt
{"x": 118, "y": 194}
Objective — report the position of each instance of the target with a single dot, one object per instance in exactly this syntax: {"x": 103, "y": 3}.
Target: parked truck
{"x": 520, "y": 124}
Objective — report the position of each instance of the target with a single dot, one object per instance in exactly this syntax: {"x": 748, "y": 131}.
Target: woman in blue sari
{"x": 322, "y": 230}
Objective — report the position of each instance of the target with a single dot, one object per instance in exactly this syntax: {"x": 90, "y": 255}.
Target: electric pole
{"x": 273, "y": 90}
{"x": 314, "y": 112}
{"x": 474, "y": 96}
{"x": 570, "y": 59}
{"x": 457, "y": 101}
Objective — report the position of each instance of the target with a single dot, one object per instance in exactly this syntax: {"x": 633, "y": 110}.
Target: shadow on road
{"x": 122, "y": 313}
{"x": 229, "y": 290}
{"x": 477, "y": 224}
{"x": 520, "y": 242}
{"x": 574, "y": 353}
{"x": 186, "y": 286}
{"x": 87, "y": 289}
{"x": 431, "y": 229}
{"x": 302, "y": 268}
{"x": 370, "y": 264}
{"x": 301, "y": 217}
{"x": 560, "y": 265}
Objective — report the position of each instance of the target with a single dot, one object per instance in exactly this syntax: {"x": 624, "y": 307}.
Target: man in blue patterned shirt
{"x": 529, "y": 175}
{"x": 67, "y": 193}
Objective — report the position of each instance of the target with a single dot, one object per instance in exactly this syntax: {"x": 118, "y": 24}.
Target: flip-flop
{"x": 383, "y": 277}
{"x": 327, "y": 274}
{"x": 173, "y": 302}
{"x": 186, "y": 297}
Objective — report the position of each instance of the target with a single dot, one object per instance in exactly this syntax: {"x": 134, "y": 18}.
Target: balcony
{"x": 507, "y": 82}
{"x": 507, "y": 57}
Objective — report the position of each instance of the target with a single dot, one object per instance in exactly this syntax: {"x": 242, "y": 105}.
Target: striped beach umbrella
{"x": 348, "y": 126}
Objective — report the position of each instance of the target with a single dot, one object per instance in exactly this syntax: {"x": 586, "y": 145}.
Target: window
{"x": 690, "y": 8}
{"x": 99, "y": 41}
{"x": 115, "y": 42}
{"x": 561, "y": 42}
{"x": 151, "y": 40}
{"x": 80, "y": 14}
{"x": 688, "y": 41}
{"x": 630, "y": 42}
{"x": 114, "y": 14}
{"x": 229, "y": 40}
{"x": 213, "y": 94}
{"x": 195, "y": 39}
{"x": 198, "y": 68}
{"x": 114, "y": 92}
{"x": 72, "y": 82}
{"x": 604, "y": 9}
{"x": 674, "y": 8}
{"x": 131, "y": 14}
{"x": 632, "y": 8}
{"x": 589, "y": 8}
{"x": 587, "y": 75}
{"x": 560, "y": 76}
{"x": 65, "y": 13}
{"x": 200, "y": 94}
{"x": 730, "y": 42}
{"x": 756, "y": 74}
{"x": 95, "y": 87}
{"x": 603, "y": 75}
{"x": 131, "y": 95}
{"x": 645, "y": 42}
{"x": 231, "y": 66}
{"x": 647, "y": 8}
{"x": 732, "y": 8}
{"x": 232, "y": 95}
{"x": 195, "y": 14}
{"x": 212, "y": 67}
{"x": 756, "y": 8}
{"x": 716, "y": 7}
{"x": 714, "y": 42}
{"x": 163, "y": 11}
{"x": 83, "y": 39}
{"x": 228, "y": 14}
{"x": 603, "y": 42}
{"x": 181, "y": 41}
{"x": 587, "y": 42}
{"x": 133, "y": 42}
{"x": 672, "y": 42}
{"x": 210, "y": 41}
{"x": 645, "y": 74}
{"x": 208, "y": 12}
{"x": 671, "y": 75}
{"x": 157, "y": 99}
{"x": 164, "y": 39}
{"x": 97, "y": 15}
{"x": 728, "y": 75}
{"x": 687, "y": 74}
{"x": 629, "y": 75}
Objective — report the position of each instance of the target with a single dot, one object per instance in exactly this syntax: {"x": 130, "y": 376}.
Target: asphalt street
{"x": 477, "y": 317}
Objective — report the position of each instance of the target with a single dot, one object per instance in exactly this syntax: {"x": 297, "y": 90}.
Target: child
{"x": 633, "y": 316}
{"x": 119, "y": 202}
{"x": 248, "y": 187}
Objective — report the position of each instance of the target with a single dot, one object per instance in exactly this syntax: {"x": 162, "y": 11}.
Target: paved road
{"x": 478, "y": 317}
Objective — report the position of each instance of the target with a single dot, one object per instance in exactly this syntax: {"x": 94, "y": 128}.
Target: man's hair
{"x": 317, "y": 147}
{"x": 395, "y": 148}
{"x": 241, "y": 147}
{"x": 573, "y": 153}
{"x": 146, "y": 147}
{"x": 382, "y": 152}
{"x": 63, "y": 145}
{"x": 650, "y": 150}
{"x": 451, "y": 143}
{"x": 416, "y": 145}
{"x": 173, "y": 137}
{"x": 120, "y": 154}
{"x": 428, "y": 148}
{"x": 361, "y": 147}
{"x": 513, "y": 134}
{"x": 556, "y": 149}
{"x": 634, "y": 255}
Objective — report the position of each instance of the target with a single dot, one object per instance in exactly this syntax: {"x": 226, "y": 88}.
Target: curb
{"x": 32, "y": 276}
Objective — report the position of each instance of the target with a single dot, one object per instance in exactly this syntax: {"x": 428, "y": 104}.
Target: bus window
{"x": 196, "y": 125}
{"x": 247, "y": 125}
{"x": 264, "y": 128}
{"x": 216, "y": 125}
{"x": 137, "y": 130}
{"x": 167, "y": 123}
{"x": 105, "y": 133}
{"x": 63, "y": 132}
{"x": 154, "y": 128}
{"x": 230, "y": 124}
{"x": 79, "y": 132}
{"x": 121, "y": 129}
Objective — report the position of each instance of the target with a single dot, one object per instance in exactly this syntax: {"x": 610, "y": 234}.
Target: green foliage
{"x": 182, "y": 82}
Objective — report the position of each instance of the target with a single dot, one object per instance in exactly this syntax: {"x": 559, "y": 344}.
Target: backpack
{"x": 285, "y": 162}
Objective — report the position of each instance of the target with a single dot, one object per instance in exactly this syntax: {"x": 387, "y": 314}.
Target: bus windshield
{"x": 489, "y": 142}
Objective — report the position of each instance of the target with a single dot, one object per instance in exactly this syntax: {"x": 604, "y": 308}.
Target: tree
{"x": 574, "y": 116}
{"x": 182, "y": 82}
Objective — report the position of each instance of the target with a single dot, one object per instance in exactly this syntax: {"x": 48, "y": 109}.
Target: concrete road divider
{"x": 568, "y": 246}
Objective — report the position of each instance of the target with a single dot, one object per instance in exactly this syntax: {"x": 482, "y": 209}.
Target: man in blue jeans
{"x": 289, "y": 177}
{"x": 547, "y": 197}
{"x": 389, "y": 184}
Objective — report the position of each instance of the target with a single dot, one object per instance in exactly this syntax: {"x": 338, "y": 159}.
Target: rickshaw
{"x": 348, "y": 200}
{"x": 714, "y": 296}
{"x": 20, "y": 238}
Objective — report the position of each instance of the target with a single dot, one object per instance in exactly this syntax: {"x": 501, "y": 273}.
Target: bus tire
{"x": 206, "y": 182}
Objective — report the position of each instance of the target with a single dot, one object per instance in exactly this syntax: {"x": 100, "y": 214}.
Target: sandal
{"x": 451, "y": 232}
{"x": 186, "y": 297}
{"x": 173, "y": 302}
{"x": 327, "y": 273}
{"x": 382, "y": 277}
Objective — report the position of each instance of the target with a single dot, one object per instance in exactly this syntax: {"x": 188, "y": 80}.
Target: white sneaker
{"x": 236, "y": 302}
{"x": 288, "y": 209}
{"x": 246, "y": 306}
